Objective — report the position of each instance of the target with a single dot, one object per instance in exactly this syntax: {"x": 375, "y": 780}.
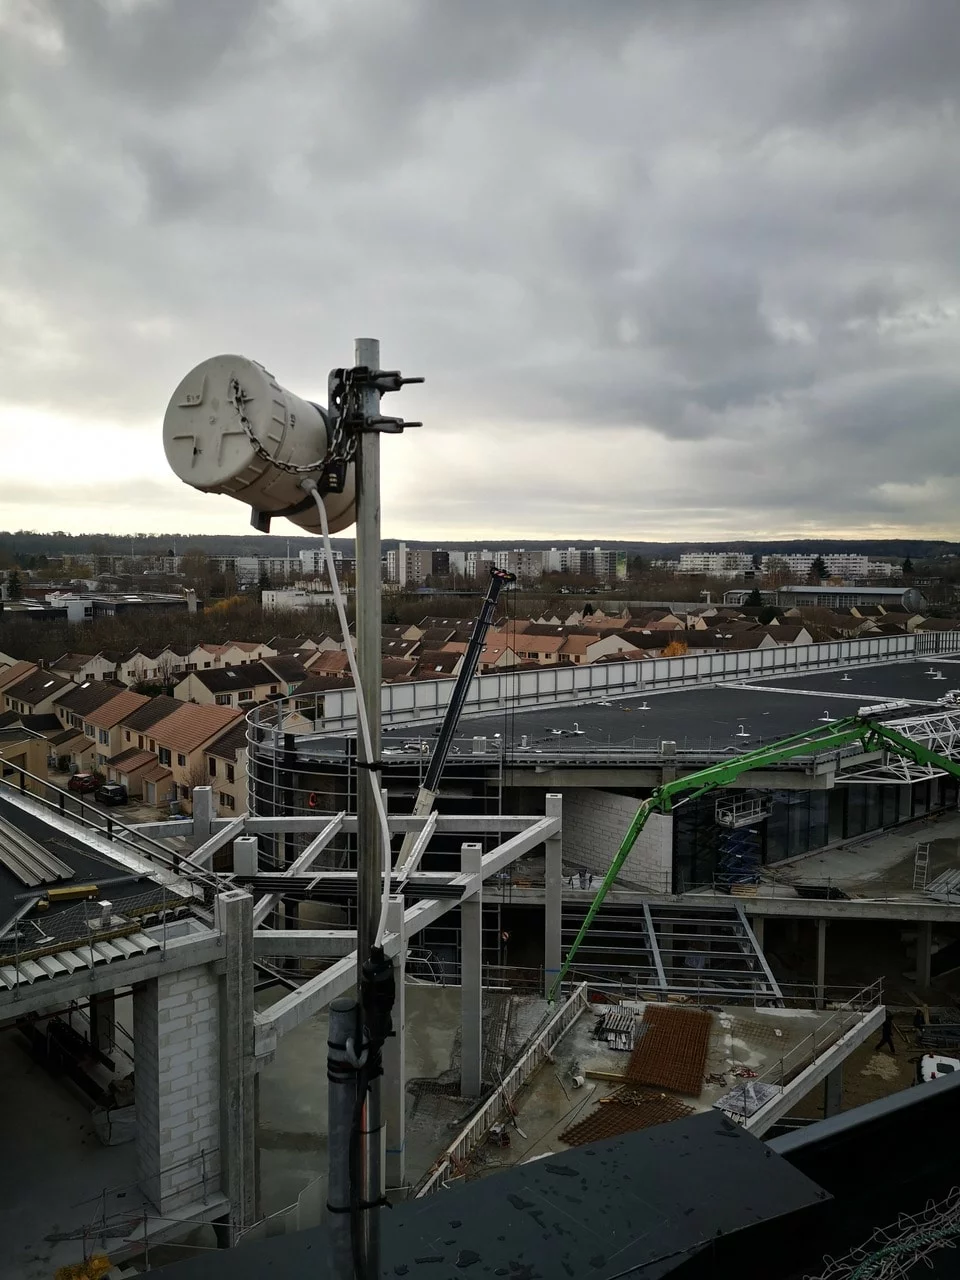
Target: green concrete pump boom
{"x": 872, "y": 735}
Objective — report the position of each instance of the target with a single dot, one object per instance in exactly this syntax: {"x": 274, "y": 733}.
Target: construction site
{"x": 475, "y": 935}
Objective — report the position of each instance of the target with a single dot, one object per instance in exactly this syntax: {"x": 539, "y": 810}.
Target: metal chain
{"x": 342, "y": 439}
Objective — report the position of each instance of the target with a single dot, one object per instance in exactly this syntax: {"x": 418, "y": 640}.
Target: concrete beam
{"x": 289, "y": 1011}
{"x": 304, "y": 942}
{"x": 303, "y": 862}
{"x": 181, "y": 953}
{"x": 399, "y": 825}
{"x": 904, "y": 909}
{"x": 203, "y": 856}
{"x": 808, "y": 1079}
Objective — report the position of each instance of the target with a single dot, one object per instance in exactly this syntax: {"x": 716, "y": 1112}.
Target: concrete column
{"x": 204, "y": 812}
{"x": 177, "y": 1062}
{"x": 394, "y": 1059}
{"x": 553, "y": 875}
{"x": 924, "y": 953}
{"x": 234, "y": 918}
{"x": 471, "y": 979}
{"x": 833, "y": 1092}
{"x": 821, "y": 959}
{"x": 103, "y": 1022}
{"x": 246, "y": 855}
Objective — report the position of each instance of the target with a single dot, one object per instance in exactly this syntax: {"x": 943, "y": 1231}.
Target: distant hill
{"x": 27, "y": 543}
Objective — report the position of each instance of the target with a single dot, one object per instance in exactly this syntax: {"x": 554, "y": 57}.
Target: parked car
{"x": 112, "y": 793}
{"x": 83, "y": 782}
{"x": 934, "y": 1065}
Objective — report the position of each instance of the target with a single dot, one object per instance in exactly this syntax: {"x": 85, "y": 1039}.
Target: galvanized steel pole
{"x": 369, "y": 856}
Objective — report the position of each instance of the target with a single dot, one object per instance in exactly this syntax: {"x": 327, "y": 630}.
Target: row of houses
{"x": 159, "y": 748}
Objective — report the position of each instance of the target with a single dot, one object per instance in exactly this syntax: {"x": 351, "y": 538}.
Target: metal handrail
{"x": 105, "y": 824}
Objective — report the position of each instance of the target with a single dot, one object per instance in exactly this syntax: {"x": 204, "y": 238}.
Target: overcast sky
{"x": 672, "y": 268}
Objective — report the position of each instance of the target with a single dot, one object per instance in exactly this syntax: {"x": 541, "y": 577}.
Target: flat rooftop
{"x": 709, "y": 717}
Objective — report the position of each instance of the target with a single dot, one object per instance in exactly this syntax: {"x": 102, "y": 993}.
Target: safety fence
{"x": 407, "y": 702}
{"x": 451, "y": 1163}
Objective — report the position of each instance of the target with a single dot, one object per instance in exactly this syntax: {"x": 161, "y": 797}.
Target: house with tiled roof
{"x": 225, "y": 757}
{"x": 230, "y": 686}
{"x": 289, "y": 670}
{"x": 85, "y": 666}
{"x": 80, "y": 700}
{"x": 130, "y": 767}
{"x": 37, "y": 693}
{"x": 105, "y": 724}
{"x": 180, "y": 739}
{"x": 12, "y": 673}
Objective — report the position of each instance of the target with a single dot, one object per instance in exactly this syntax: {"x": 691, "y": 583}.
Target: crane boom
{"x": 428, "y": 791}
{"x": 872, "y": 735}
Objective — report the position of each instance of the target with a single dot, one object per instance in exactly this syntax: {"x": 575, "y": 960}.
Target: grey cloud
{"x": 719, "y": 232}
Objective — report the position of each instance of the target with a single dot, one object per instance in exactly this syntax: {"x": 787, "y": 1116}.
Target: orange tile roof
{"x": 117, "y": 709}
{"x": 328, "y": 662}
{"x": 156, "y": 774}
{"x": 191, "y": 725}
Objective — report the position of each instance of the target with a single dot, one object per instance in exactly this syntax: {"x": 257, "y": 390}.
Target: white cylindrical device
{"x": 214, "y": 446}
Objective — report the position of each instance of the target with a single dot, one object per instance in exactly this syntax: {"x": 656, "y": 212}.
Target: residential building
{"x": 85, "y": 666}
{"x": 313, "y": 561}
{"x": 104, "y": 723}
{"x": 37, "y": 693}
{"x": 289, "y": 670}
{"x": 715, "y": 564}
{"x": 130, "y": 768}
{"x": 230, "y": 686}
{"x": 180, "y": 739}
{"x": 295, "y": 599}
{"x": 137, "y": 725}
{"x": 225, "y": 758}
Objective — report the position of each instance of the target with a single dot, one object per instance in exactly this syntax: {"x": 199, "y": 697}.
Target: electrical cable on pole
{"x": 231, "y": 428}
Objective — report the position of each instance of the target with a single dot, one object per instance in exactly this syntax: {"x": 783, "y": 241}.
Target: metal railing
{"x": 407, "y": 702}
{"x": 21, "y": 783}
{"x": 538, "y": 1051}
{"x": 813, "y": 1047}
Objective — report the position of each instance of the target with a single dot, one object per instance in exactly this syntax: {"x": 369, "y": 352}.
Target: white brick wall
{"x": 594, "y": 824}
{"x": 177, "y": 1066}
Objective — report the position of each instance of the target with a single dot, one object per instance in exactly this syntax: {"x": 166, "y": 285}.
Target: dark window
{"x": 163, "y": 755}
{"x": 181, "y": 759}
{"x": 212, "y": 766}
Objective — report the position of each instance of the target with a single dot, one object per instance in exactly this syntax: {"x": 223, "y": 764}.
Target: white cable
{"x": 311, "y": 487}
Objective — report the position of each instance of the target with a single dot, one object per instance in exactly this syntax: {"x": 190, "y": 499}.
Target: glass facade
{"x": 799, "y": 822}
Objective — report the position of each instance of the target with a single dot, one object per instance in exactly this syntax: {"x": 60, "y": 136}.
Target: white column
{"x": 234, "y": 917}
{"x": 245, "y": 855}
{"x": 204, "y": 813}
{"x": 553, "y": 877}
{"x": 394, "y": 1058}
{"x": 471, "y": 978}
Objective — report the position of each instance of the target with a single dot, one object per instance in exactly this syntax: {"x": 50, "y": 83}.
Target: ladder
{"x": 921, "y": 864}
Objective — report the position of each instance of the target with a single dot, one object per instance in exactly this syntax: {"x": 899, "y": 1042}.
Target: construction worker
{"x": 886, "y": 1036}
